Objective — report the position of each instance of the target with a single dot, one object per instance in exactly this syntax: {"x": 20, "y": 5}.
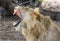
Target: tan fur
{"x": 37, "y": 27}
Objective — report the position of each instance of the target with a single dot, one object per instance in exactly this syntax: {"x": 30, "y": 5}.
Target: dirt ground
{"x": 7, "y": 31}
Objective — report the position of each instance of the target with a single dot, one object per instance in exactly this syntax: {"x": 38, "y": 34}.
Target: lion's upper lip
{"x": 18, "y": 13}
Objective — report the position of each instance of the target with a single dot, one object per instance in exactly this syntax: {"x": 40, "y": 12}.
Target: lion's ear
{"x": 36, "y": 10}
{"x": 47, "y": 22}
{"x": 38, "y": 14}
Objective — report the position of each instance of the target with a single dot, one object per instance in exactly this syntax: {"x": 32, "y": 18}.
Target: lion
{"x": 37, "y": 27}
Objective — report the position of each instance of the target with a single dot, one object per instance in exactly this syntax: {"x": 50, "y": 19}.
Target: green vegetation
{"x": 40, "y": 0}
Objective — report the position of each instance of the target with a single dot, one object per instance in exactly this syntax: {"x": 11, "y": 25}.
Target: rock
{"x": 51, "y": 5}
{"x": 58, "y": 16}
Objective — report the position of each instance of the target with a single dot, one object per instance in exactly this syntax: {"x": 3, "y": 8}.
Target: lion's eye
{"x": 38, "y": 18}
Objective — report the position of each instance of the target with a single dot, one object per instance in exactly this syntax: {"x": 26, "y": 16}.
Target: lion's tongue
{"x": 17, "y": 12}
